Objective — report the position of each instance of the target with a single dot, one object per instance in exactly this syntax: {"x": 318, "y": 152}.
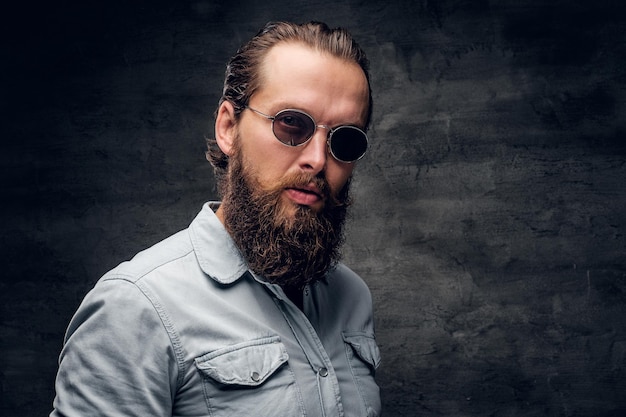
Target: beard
{"x": 285, "y": 247}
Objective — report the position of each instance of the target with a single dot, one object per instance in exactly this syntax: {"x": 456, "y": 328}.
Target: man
{"x": 248, "y": 312}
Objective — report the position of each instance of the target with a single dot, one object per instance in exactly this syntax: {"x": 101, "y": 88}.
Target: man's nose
{"x": 315, "y": 153}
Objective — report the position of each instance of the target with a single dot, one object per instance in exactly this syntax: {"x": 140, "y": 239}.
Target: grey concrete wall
{"x": 489, "y": 220}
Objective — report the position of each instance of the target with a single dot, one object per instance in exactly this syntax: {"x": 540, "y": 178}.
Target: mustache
{"x": 305, "y": 180}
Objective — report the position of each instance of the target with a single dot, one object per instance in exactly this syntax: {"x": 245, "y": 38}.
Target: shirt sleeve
{"x": 117, "y": 357}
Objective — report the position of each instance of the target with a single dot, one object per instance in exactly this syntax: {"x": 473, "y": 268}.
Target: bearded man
{"x": 249, "y": 311}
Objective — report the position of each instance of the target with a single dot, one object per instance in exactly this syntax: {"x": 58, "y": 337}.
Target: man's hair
{"x": 243, "y": 70}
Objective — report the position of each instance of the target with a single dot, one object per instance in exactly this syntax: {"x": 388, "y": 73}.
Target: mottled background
{"x": 490, "y": 210}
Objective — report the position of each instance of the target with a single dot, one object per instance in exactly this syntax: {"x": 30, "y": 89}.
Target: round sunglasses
{"x": 294, "y": 128}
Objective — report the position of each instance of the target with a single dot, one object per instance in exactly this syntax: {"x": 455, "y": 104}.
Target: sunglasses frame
{"x": 315, "y": 125}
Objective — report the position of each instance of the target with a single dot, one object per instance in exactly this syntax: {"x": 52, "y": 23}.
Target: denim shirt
{"x": 185, "y": 329}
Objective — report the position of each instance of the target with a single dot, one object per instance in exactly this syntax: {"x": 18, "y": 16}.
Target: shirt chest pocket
{"x": 251, "y": 378}
{"x": 364, "y": 357}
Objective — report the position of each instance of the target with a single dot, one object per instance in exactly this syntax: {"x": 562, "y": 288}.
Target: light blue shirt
{"x": 185, "y": 329}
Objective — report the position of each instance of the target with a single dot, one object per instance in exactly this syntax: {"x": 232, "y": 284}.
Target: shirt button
{"x": 323, "y": 372}
{"x": 256, "y": 377}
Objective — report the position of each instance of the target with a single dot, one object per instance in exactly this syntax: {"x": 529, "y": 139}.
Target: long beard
{"x": 284, "y": 248}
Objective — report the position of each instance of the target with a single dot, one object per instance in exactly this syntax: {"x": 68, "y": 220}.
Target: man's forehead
{"x": 289, "y": 65}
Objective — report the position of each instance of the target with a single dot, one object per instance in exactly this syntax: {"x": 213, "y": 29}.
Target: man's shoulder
{"x": 202, "y": 250}
{"x": 170, "y": 250}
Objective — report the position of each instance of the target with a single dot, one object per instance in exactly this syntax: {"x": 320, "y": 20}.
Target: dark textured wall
{"x": 490, "y": 211}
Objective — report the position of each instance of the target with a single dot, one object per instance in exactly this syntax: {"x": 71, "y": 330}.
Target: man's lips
{"x": 305, "y": 195}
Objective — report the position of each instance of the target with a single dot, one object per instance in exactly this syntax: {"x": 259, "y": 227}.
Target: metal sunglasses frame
{"x": 328, "y": 138}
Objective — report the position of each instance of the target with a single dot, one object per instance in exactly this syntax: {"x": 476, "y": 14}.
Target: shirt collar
{"x": 217, "y": 254}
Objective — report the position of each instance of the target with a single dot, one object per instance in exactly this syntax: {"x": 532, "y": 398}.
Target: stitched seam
{"x": 171, "y": 332}
{"x": 140, "y": 274}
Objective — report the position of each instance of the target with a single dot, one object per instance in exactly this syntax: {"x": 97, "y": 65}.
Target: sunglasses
{"x": 295, "y": 128}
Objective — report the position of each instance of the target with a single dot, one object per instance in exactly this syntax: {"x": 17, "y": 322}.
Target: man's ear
{"x": 226, "y": 127}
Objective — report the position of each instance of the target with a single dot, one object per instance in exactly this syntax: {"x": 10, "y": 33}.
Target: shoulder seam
{"x": 139, "y": 273}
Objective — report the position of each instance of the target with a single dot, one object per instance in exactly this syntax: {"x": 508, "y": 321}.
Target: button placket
{"x": 313, "y": 349}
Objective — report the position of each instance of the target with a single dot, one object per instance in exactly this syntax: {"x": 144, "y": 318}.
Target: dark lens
{"x": 293, "y": 127}
{"x": 348, "y": 143}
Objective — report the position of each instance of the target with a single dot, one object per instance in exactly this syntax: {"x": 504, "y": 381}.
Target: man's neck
{"x": 220, "y": 214}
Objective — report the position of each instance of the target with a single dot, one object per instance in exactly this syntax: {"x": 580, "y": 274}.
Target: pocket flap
{"x": 249, "y": 363}
{"x": 364, "y": 344}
